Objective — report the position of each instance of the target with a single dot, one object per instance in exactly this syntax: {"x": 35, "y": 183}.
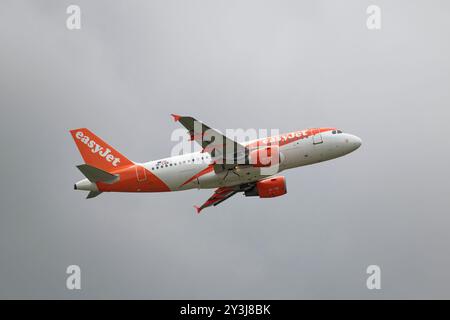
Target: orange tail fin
{"x": 97, "y": 152}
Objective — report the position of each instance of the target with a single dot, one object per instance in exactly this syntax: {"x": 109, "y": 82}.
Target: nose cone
{"x": 356, "y": 142}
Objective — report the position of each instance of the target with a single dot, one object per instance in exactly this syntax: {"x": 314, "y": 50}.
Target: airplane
{"x": 223, "y": 164}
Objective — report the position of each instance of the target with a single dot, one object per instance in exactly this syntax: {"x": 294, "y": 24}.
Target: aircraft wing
{"x": 212, "y": 141}
{"x": 223, "y": 193}
{"x": 220, "y": 195}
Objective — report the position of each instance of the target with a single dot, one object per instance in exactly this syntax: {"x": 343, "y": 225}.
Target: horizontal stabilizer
{"x": 97, "y": 175}
{"x": 93, "y": 194}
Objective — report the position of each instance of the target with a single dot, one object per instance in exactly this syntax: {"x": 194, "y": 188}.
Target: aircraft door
{"x": 317, "y": 136}
{"x": 141, "y": 175}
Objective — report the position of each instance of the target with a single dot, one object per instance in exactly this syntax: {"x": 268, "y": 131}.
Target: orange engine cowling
{"x": 265, "y": 157}
{"x": 271, "y": 187}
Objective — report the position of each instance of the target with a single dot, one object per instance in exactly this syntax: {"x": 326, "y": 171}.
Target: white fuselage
{"x": 190, "y": 171}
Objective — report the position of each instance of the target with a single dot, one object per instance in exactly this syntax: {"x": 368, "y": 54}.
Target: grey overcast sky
{"x": 285, "y": 64}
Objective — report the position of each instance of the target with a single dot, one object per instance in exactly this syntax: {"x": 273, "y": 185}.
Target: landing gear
{"x": 233, "y": 170}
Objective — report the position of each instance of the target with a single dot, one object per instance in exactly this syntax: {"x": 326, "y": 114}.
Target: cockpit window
{"x": 339, "y": 131}
{"x": 333, "y": 132}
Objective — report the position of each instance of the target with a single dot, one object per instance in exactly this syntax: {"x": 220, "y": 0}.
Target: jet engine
{"x": 268, "y": 188}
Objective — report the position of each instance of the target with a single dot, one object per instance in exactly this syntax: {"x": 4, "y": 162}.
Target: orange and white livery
{"x": 223, "y": 164}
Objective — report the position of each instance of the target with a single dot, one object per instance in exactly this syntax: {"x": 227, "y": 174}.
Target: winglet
{"x": 198, "y": 209}
{"x": 176, "y": 117}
